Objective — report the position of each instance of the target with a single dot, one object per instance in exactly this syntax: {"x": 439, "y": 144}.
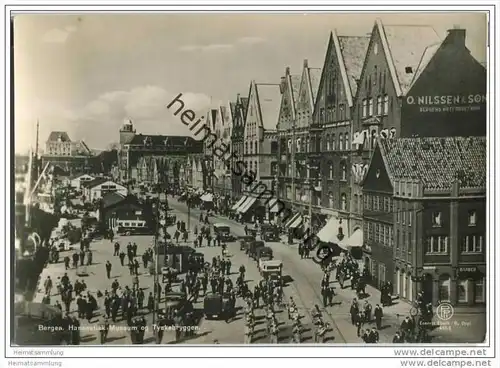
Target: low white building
{"x": 76, "y": 182}
{"x": 97, "y": 188}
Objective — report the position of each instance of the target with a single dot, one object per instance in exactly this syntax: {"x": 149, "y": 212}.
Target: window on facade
{"x": 403, "y": 214}
{"x": 398, "y": 232}
{"x": 341, "y": 142}
{"x": 364, "y": 112}
{"x": 298, "y": 145}
{"x": 246, "y": 148}
{"x": 409, "y": 217}
{"x": 462, "y": 291}
{"x": 256, "y": 150}
{"x": 480, "y": 290}
{"x": 444, "y": 288}
{"x": 370, "y": 106}
{"x": 343, "y": 169}
{"x": 379, "y": 105}
{"x": 355, "y": 205}
{"x": 374, "y": 139}
{"x": 330, "y": 199}
{"x": 398, "y": 212}
{"x": 385, "y": 110}
{"x": 343, "y": 202}
{"x": 472, "y": 244}
{"x": 328, "y": 142}
{"x": 346, "y": 141}
{"x": 437, "y": 244}
{"x": 330, "y": 166}
{"x": 436, "y": 219}
{"x": 333, "y": 142}
{"x": 472, "y": 218}
{"x": 342, "y": 111}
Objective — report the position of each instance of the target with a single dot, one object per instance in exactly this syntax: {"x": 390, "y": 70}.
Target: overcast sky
{"x": 86, "y": 74}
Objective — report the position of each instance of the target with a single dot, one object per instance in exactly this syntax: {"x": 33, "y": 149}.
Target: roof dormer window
{"x": 409, "y": 70}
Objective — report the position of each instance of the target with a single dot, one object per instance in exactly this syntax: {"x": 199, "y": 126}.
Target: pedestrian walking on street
{"x": 108, "y": 269}
{"x": 379, "y": 313}
{"x": 117, "y": 249}
{"x": 66, "y": 262}
{"x": 48, "y": 285}
{"x": 122, "y": 258}
{"x": 82, "y": 257}
{"x": 89, "y": 257}
{"x": 75, "y": 260}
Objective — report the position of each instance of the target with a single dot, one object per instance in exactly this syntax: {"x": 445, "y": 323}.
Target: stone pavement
{"x": 466, "y": 326}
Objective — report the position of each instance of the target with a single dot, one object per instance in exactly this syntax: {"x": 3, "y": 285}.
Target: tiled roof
{"x": 315, "y": 78}
{"x": 437, "y": 162}
{"x": 353, "y": 49}
{"x": 54, "y": 137}
{"x": 407, "y": 44}
{"x": 111, "y": 199}
{"x": 429, "y": 53}
{"x": 269, "y": 98}
{"x": 295, "y": 86}
{"x": 159, "y": 140}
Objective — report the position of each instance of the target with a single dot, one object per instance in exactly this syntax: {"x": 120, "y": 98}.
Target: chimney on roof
{"x": 287, "y": 70}
{"x": 306, "y": 63}
{"x": 456, "y": 36}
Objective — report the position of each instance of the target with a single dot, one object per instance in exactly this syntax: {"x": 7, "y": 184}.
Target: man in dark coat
{"x": 354, "y": 311}
{"x": 378, "y": 313}
{"x": 122, "y": 258}
{"x": 108, "y": 269}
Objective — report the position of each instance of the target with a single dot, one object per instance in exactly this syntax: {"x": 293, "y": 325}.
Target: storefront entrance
{"x": 427, "y": 288}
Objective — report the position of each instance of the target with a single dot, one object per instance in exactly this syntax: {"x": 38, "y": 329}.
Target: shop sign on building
{"x": 447, "y": 103}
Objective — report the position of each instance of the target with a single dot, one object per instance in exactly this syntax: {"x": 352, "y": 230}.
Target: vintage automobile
{"x": 264, "y": 254}
{"x": 129, "y": 227}
{"x": 244, "y": 241}
{"x": 224, "y": 231}
{"x": 269, "y": 232}
{"x": 176, "y": 257}
{"x": 253, "y": 247}
{"x": 176, "y": 301}
{"x": 217, "y": 306}
{"x": 271, "y": 269}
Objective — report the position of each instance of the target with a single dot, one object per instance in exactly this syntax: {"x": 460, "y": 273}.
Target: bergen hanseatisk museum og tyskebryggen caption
{"x": 341, "y": 200}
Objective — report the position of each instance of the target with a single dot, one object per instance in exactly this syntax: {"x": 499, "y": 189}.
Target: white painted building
{"x": 77, "y": 181}
{"x": 99, "y": 187}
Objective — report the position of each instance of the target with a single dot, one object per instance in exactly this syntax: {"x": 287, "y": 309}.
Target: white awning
{"x": 207, "y": 197}
{"x": 297, "y": 222}
{"x": 274, "y": 205}
{"x": 239, "y": 203}
{"x": 329, "y": 233}
{"x": 246, "y": 206}
{"x": 356, "y": 239}
{"x": 291, "y": 220}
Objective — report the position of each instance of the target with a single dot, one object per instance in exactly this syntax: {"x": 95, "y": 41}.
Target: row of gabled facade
{"x": 310, "y": 138}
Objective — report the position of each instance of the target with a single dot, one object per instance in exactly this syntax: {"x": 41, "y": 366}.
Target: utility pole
{"x": 157, "y": 259}
{"x": 37, "y": 166}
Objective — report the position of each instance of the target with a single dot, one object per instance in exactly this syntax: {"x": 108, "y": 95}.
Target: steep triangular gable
{"x": 324, "y": 73}
{"x": 378, "y": 176}
{"x": 287, "y": 106}
{"x": 304, "y": 99}
{"x": 253, "y": 107}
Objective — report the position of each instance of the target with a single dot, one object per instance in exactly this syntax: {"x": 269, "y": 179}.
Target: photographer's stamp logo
{"x": 444, "y": 311}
